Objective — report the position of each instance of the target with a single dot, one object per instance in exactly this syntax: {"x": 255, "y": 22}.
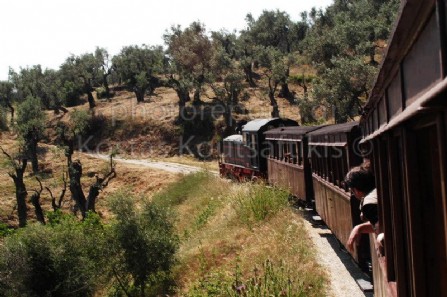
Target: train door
{"x": 427, "y": 207}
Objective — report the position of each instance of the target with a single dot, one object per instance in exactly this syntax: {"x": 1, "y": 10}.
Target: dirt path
{"x": 165, "y": 166}
{"x": 342, "y": 271}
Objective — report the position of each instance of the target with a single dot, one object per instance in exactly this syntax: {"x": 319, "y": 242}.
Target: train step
{"x": 365, "y": 285}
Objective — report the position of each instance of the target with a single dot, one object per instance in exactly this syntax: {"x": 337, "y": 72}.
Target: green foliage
{"x": 176, "y": 193}
{"x": 139, "y": 67}
{"x": 146, "y": 240}
{"x": 302, "y": 78}
{"x": 273, "y": 29}
{"x": 271, "y": 279}
{"x": 67, "y": 258}
{"x": 80, "y": 121}
{"x": 344, "y": 44}
{"x": 259, "y": 203}
{"x": 101, "y": 93}
{"x": 5, "y": 230}
{"x": 30, "y": 118}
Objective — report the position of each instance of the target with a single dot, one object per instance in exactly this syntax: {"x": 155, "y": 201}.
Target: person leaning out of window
{"x": 361, "y": 181}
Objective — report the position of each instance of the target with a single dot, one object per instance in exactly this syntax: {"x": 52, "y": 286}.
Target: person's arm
{"x": 357, "y": 231}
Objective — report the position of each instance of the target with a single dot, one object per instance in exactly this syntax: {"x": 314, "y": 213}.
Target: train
{"x": 402, "y": 131}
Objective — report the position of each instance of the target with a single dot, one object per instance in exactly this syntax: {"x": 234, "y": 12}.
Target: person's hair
{"x": 361, "y": 178}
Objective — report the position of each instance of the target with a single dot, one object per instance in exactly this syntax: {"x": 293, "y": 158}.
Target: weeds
{"x": 259, "y": 203}
{"x": 271, "y": 279}
{"x": 188, "y": 186}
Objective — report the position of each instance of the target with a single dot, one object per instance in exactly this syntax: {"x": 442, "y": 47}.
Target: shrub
{"x": 147, "y": 241}
{"x": 63, "y": 259}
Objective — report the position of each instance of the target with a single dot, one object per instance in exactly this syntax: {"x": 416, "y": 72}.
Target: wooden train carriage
{"x": 333, "y": 150}
{"x": 244, "y": 156}
{"x": 288, "y": 165}
{"x": 405, "y": 122}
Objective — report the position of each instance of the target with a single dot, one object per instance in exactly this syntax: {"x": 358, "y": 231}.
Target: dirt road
{"x": 165, "y": 166}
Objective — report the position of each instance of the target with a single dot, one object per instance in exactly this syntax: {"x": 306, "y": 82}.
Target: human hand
{"x": 353, "y": 238}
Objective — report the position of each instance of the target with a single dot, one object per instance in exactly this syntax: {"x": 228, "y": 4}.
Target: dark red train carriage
{"x": 405, "y": 121}
{"x": 288, "y": 164}
{"x": 333, "y": 150}
{"x": 244, "y": 156}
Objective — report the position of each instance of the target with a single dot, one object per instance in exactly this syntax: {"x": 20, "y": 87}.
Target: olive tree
{"x": 30, "y": 126}
{"x": 275, "y": 67}
{"x": 190, "y": 50}
{"x": 226, "y": 79}
{"x": 145, "y": 243}
{"x": 138, "y": 67}
{"x": 18, "y": 167}
{"x": 7, "y": 96}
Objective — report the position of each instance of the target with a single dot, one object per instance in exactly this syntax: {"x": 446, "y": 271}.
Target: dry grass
{"x": 140, "y": 180}
{"x": 215, "y": 239}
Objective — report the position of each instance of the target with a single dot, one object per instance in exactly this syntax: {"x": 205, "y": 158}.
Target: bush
{"x": 102, "y": 94}
{"x": 147, "y": 241}
{"x": 64, "y": 259}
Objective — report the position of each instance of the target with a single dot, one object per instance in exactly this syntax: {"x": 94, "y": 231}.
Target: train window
{"x": 394, "y": 96}
{"x": 425, "y": 51}
{"x": 254, "y": 141}
{"x": 300, "y": 153}
{"x": 247, "y": 137}
{"x": 375, "y": 116}
{"x": 427, "y": 209}
{"x": 294, "y": 153}
{"x": 383, "y": 117}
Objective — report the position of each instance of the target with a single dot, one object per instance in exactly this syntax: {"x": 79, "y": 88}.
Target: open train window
{"x": 427, "y": 206}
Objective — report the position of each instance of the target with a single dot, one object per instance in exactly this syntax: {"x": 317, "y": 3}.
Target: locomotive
{"x": 403, "y": 132}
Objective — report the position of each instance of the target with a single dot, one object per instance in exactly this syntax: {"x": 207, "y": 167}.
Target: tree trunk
{"x": 21, "y": 192}
{"x": 75, "y": 173}
{"x": 140, "y": 95}
{"x": 273, "y": 102}
{"x": 285, "y": 92}
{"x": 35, "y": 200}
{"x": 91, "y": 100}
{"x": 11, "y": 109}
{"x": 197, "y": 96}
{"x": 92, "y": 195}
{"x": 106, "y": 85}
{"x": 249, "y": 76}
{"x": 33, "y": 156}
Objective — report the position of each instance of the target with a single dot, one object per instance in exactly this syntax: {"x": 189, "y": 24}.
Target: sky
{"x": 46, "y": 32}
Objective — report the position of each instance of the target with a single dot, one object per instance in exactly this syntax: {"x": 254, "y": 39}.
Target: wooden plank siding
{"x": 406, "y": 120}
{"x": 288, "y": 176}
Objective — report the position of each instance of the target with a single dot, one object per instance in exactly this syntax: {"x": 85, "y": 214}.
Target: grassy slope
{"x": 218, "y": 229}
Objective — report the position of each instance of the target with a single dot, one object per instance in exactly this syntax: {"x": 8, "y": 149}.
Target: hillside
{"x": 138, "y": 131}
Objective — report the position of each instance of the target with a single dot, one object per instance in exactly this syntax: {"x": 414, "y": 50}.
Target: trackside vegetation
{"x": 130, "y": 256}
{"x": 239, "y": 239}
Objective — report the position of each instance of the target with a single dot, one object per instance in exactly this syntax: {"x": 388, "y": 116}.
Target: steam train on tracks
{"x": 403, "y": 133}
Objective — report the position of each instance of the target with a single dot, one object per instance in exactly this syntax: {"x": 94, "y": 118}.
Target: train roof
{"x": 336, "y": 129}
{"x": 262, "y": 124}
{"x": 234, "y": 138}
{"x": 334, "y": 135}
{"x": 295, "y": 133}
